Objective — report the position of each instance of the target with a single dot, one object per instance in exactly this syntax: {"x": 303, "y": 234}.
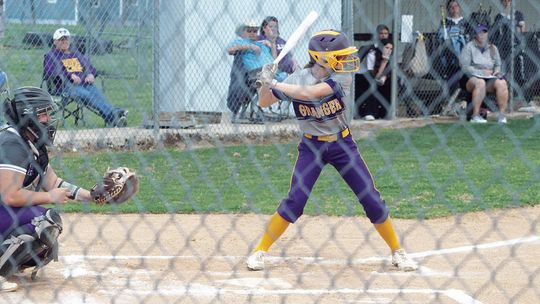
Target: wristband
{"x": 273, "y": 83}
{"x": 73, "y": 190}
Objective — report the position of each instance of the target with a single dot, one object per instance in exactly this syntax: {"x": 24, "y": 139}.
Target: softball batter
{"x": 320, "y": 94}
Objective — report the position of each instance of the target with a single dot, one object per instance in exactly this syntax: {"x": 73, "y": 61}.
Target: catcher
{"x": 29, "y": 232}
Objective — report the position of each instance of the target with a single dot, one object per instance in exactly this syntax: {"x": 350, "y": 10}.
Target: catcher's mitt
{"x": 118, "y": 186}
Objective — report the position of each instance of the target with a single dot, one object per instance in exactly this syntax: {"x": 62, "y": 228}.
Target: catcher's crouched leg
{"x": 22, "y": 250}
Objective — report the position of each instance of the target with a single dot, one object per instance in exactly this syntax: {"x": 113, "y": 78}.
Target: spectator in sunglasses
{"x": 250, "y": 55}
{"x": 254, "y": 53}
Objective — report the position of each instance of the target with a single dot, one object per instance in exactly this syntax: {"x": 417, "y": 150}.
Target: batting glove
{"x": 267, "y": 74}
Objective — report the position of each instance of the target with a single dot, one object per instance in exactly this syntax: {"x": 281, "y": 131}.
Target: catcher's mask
{"x": 331, "y": 49}
{"x": 31, "y": 111}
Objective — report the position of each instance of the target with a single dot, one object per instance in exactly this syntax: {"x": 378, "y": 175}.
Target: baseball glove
{"x": 118, "y": 185}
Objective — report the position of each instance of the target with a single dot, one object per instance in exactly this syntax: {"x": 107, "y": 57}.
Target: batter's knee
{"x": 290, "y": 210}
{"x": 376, "y": 210}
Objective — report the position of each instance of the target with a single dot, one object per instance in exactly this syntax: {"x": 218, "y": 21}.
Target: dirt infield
{"x": 489, "y": 257}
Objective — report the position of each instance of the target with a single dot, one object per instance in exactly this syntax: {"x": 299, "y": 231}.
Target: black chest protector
{"x": 37, "y": 167}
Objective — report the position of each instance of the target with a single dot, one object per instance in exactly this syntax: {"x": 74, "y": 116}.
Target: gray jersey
{"x": 19, "y": 156}
{"x": 324, "y": 116}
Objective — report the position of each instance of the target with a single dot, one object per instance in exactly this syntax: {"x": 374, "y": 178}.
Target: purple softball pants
{"x": 343, "y": 154}
{"x": 12, "y": 218}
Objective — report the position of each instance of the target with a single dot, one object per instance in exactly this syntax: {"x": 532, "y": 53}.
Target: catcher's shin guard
{"x": 18, "y": 251}
{"x": 21, "y": 250}
{"x": 48, "y": 227}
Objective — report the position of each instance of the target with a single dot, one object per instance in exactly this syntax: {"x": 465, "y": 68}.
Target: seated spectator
{"x": 269, "y": 31}
{"x": 502, "y": 30}
{"x": 372, "y": 82}
{"x": 71, "y": 72}
{"x": 481, "y": 64}
{"x": 524, "y": 64}
{"x": 453, "y": 34}
{"x": 250, "y": 55}
{"x": 367, "y": 53}
{"x": 254, "y": 53}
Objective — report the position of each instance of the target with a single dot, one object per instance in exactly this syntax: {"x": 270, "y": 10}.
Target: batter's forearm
{"x": 304, "y": 92}
{"x": 266, "y": 97}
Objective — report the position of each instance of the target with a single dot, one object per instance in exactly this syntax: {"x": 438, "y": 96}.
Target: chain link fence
{"x": 428, "y": 72}
{"x": 464, "y": 199}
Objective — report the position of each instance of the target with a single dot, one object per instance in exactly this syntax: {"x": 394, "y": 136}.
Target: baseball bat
{"x": 296, "y": 35}
{"x": 294, "y": 38}
{"x": 443, "y": 20}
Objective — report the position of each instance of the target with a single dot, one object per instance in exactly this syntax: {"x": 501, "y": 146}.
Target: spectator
{"x": 383, "y": 32}
{"x": 367, "y": 53}
{"x": 250, "y": 55}
{"x": 501, "y": 32}
{"x": 372, "y": 82}
{"x": 269, "y": 31}
{"x": 254, "y": 53}
{"x": 367, "y": 56}
{"x": 525, "y": 68}
{"x": 501, "y": 36}
{"x": 72, "y": 72}
{"x": 481, "y": 64}
{"x": 453, "y": 34}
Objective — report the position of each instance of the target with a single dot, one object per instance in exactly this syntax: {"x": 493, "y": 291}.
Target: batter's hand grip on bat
{"x": 266, "y": 75}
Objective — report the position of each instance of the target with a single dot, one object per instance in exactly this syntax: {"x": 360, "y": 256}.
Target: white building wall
{"x": 194, "y": 66}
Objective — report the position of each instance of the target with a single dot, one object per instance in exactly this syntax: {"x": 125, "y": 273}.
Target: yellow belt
{"x": 329, "y": 138}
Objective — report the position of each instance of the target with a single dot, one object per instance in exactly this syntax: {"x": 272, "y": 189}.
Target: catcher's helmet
{"x": 331, "y": 49}
{"x": 22, "y": 112}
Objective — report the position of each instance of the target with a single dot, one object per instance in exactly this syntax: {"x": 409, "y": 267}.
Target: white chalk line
{"x": 319, "y": 260}
{"x": 197, "y": 289}
{"x": 201, "y": 290}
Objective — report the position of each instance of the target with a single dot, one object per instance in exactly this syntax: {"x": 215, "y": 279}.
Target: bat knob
{"x": 258, "y": 83}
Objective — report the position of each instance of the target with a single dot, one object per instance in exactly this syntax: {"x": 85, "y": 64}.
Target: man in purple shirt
{"x": 72, "y": 72}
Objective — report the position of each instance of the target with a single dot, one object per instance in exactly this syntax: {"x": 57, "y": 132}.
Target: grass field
{"x": 426, "y": 172}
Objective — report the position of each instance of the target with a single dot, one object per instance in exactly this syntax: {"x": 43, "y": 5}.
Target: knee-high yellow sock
{"x": 276, "y": 226}
{"x": 387, "y": 232}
